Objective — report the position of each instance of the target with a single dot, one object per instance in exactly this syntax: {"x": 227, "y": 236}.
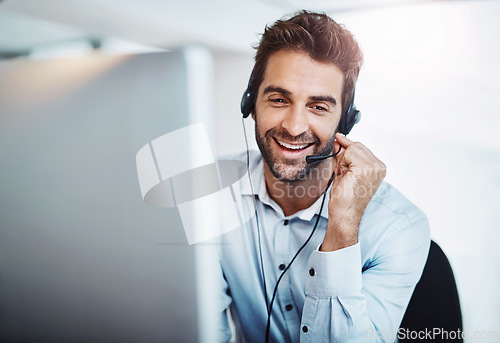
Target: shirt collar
{"x": 254, "y": 185}
{"x": 257, "y": 186}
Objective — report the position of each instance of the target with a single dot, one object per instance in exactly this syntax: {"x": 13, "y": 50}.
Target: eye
{"x": 278, "y": 100}
{"x": 319, "y": 108}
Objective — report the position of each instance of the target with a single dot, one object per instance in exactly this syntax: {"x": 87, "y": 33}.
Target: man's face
{"x": 297, "y": 110}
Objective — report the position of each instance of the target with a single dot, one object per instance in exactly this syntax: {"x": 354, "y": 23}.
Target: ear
{"x": 253, "y": 115}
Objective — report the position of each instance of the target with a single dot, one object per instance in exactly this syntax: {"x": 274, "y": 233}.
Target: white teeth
{"x": 293, "y": 146}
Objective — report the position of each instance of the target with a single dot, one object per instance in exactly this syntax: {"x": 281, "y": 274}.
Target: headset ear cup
{"x": 357, "y": 117}
{"x": 247, "y": 100}
{"x": 246, "y": 104}
{"x": 345, "y": 119}
{"x": 353, "y": 117}
{"x": 350, "y": 117}
{"x": 341, "y": 127}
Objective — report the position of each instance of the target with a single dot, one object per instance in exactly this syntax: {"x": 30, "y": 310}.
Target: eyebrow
{"x": 324, "y": 98}
{"x": 271, "y": 88}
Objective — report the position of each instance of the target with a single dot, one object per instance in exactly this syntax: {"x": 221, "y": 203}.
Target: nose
{"x": 295, "y": 121}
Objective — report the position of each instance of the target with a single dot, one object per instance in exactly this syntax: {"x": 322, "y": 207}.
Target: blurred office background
{"x": 428, "y": 92}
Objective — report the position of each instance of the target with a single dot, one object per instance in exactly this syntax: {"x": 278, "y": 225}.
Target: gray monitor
{"x": 82, "y": 257}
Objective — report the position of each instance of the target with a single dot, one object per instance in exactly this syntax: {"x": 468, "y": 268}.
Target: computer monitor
{"x": 82, "y": 257}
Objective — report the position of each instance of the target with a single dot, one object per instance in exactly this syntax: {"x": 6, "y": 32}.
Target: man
{"x": 332, "y": 253}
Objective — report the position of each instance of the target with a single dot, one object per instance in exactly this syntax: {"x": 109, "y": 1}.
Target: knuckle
{"x": 357, "y": 146}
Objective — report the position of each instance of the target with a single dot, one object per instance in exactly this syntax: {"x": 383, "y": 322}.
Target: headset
{"x": 350, "y": 116}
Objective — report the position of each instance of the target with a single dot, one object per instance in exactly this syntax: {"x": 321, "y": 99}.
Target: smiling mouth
{"x": 293, "y": 146}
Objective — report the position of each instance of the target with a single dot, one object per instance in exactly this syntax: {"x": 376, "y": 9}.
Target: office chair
{"x": 435, "y": 302}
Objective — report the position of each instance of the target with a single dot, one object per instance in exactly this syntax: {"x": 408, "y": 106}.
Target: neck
{"x": 298, "y": 195}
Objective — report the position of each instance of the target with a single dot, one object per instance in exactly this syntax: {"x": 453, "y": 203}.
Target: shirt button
{"x": 304, "y": 328}
{"x": 312, "y": 272}
{"x": 288, "y": 307}
{"x": 286, "y": 222}
{"x": 282, "y": 266}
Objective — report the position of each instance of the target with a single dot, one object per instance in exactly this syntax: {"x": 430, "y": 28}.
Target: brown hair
{"x": 321, "y": 38}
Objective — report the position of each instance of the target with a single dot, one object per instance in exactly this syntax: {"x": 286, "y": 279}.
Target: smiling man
{"x": 298, "y": 101}
{"x": 332, "y": 253}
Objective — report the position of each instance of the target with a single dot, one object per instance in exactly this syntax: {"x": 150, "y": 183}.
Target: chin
{"x": 290, "y": 173}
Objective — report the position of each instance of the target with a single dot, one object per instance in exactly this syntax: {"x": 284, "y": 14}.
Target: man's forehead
{"x": 286, "y": 70}
{"x": 283, "y": 56}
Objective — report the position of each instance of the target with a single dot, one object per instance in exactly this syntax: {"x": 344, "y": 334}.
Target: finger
{"x": 343, "y": 140}
{"x": 337, "y": 148}
{"x": 342, "y": 165}
{"x": 337, "y": 168}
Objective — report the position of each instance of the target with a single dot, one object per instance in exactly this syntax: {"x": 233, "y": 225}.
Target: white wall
{"x": 232, "y": 71}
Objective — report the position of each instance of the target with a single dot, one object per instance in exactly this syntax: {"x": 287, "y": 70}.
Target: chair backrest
{"x": 435, "y": 302}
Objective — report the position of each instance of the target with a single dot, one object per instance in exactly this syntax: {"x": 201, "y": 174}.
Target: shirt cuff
{"x": 334, "y": 273}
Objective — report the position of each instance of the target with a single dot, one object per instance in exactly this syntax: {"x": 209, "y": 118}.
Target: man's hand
{"x": 358, "y": 174}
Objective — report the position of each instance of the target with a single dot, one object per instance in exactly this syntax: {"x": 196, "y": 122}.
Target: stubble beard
{"x": 290, "y": 170}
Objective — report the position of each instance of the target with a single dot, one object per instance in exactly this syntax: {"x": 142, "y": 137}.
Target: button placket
{"x": 284, "y": 294}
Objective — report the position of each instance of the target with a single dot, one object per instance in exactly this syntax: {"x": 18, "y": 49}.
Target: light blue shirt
{"x": 358, "y": 293}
